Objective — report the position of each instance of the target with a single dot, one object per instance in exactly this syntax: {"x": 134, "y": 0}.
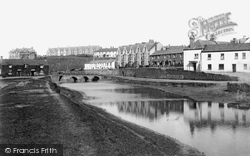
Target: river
{"x": 213, "y": 128}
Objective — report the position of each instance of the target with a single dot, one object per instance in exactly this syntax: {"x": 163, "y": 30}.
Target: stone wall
{"x": 235, "y": 87}
{"x": 156, "y": 73}
{"x": 173, "y": 74}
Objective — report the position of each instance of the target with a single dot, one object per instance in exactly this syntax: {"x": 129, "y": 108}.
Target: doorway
{"x": 32, "y": 73}
{"x": 194, "y": 65}
{"x": 234, "y": 67}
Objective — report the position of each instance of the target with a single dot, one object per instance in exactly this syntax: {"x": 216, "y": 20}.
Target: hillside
{"x": 64, "y": 63}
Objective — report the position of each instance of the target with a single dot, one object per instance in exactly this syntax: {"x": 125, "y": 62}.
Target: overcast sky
{"x": 44, "y": 24}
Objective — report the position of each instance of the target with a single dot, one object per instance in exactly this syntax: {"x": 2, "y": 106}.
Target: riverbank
{"x": 196, "y": 90}
{"x": 40, "y": 112}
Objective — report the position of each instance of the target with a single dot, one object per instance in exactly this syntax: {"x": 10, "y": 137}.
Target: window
{"x": 243, "y": 55}
{"x": 174, "y": 56}
{"x": 222, "y": 56}
{"x": 209, "y": 67}
{"x": 196, "y": 56}
{"x": 208, "y": 56}
{"x": 221, "y": 66}
{"x": 245, "y": 66}
{"x": 10, "y": 66}
{"x": 236, "y": 56}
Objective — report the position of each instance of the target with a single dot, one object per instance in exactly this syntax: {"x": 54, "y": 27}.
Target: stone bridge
{"x": 78, "y": 78}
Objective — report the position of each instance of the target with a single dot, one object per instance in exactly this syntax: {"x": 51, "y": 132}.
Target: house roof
{"x": 106, "y": 49}
{"x": 101, "y": 61}
{"x": 128, "y": 48}
{"x": 199, "y": 44}
{"x": 170, "y": 50}
{"x": 22, "y": 61}
{"x": 150, "y": 45}
{"x": 227, "y": 47}
{"x": 134, "y": 47}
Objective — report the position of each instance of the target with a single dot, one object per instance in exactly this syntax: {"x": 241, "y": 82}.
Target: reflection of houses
{"x": 211, "y": 115}
{"x": 106, "y": 52}
{"x": 64, "y": 51}
{"x": 23, "y": 67}
{"x": 100, "y": 64}
{"x": 22, "y": 53}
{"x": 171, "y": 56}
{"x": 137, "y": 54}
{"x": 151, "y": 109}
{"x": 214, "y": 113}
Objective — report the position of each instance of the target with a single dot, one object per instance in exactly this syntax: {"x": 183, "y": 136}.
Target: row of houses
{"x": 199, "y": 55}
{"x": 23, "y": 67}
{"x": 79, "y": 50}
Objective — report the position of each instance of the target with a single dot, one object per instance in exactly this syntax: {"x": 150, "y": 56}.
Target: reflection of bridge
{"x": 78, "y": 78}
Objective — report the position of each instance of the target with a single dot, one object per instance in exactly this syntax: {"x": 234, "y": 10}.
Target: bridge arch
{"x": 74, "y": 78}
{"x": 60, "y": 77}
{"x": 86, "y": 79}
{"x": 95, "y": 78}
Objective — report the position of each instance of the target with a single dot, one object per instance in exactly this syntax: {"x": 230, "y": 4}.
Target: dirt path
{"x": 34, "y": 114}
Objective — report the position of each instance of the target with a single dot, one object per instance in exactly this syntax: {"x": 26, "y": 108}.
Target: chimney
{"x": 191, "y": 39}
{"x": 151, "y": 41}
{"x": 234, "y": 41}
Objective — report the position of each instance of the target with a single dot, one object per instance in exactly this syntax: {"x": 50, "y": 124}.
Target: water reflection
{"x": 151, "y": 110}
{"x": 213, "y": 128}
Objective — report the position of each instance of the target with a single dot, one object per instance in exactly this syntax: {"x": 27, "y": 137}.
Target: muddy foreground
{"x": 33, "y": 112}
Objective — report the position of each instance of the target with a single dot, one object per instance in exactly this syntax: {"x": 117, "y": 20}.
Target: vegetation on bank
{"x": 67, "y": 63}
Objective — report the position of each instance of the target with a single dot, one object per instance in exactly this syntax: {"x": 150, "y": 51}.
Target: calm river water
{"x": 212, "y": 128}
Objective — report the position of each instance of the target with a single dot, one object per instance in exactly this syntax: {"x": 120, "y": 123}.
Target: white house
{"x": 233, "y": 57}
{"x": 192, "y": 54}
{"x": 100, "y": 64}
{"x": 106, "y": 52}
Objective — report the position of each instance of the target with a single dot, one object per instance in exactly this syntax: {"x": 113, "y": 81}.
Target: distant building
{"x": 100, "y": 64}
{"x": 137, "y": 54}
{"x": 169, "y": 56}
{"x": 106, "y": 52}
{"x": 23, "y": 67}
{"x": 65, "y": 51}
{"x": 23, "y": 53}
